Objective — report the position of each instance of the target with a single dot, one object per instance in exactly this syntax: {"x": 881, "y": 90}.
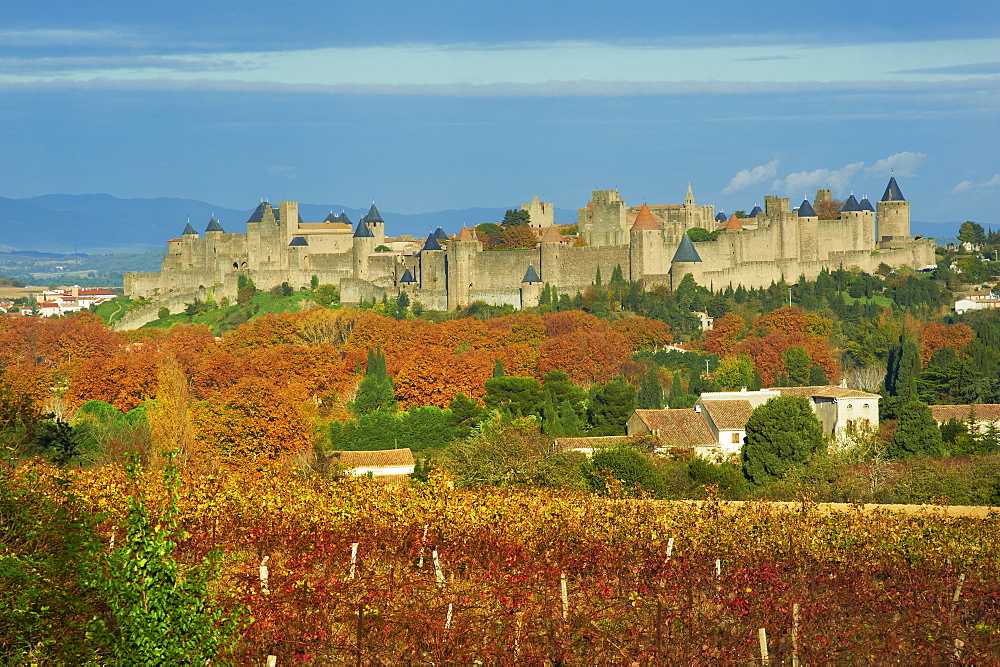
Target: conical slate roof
{"x": 331, "y": 218}
{"x": 431, "y": 243}
{"x": 189, "y": 229}
{"x": 686, "y": 251}
{"x": 531, "y": 276}
{"x": 298, "y": 241}
{"x": 214, "y": 226}
{"x": 806, "y": 209}
{"x": 866, "y": 205}
{"x": 755, "y": 212}
{"x": 373, "y": 215}
{"x": 440, "y": 235}
{"x": 645, "y": 220}
{"x": 720, "y": 217}
{"x": 407, "y": 277}
{"x": 258, "y": 213}
{"x": 362, "y": 232}
{"x": 851, "y": 205}
{"x": 892, "y": 191}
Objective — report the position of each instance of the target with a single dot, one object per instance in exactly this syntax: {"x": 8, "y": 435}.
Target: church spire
{"x": 689, "y": 198}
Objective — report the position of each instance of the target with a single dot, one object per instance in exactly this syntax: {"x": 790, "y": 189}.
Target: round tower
{"x": 893, "y": 214}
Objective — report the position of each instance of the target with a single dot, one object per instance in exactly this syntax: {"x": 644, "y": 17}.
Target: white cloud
{"x": 899, "y": 164}
{"x": 285, "y": 170}
{"x": 747, "y": 177}
{"x": 805, "y": 182}
{"x": 965, "y": 186}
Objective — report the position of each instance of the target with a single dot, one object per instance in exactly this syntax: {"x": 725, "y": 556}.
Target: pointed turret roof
{"x": 189, "y": 229}
{"x": 362, "y": 232}
{"x": 439, "y": 234}
{"x": 686, "y": 252}
{"x": 373, "y": 215}
{"x": 755, "y": 212}
{"x": 866, "y": 205}
{"x": 531, "y": 276}
{"x": 466, "y": 235}
{"x": 734, "y": 223}
{"x": 720, "y": 217}
{"x": 892, "y": 191}
{"x": 331, "y": 218}
{"x": 645, "y": 220}
{"x": 258, "y": 213}
{"x": 431, "y": 243}
{"x": 851, "y": 205}
{"x": 298, "y": 241}
{"x": 806, "y": 209}
{"x": 551, "y": 235}
{"x": 214, "y": 226}
{"x": 689, "y": 197}
{"x": 407, "y": 277}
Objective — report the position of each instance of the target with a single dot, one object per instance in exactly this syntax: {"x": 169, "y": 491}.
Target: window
{"x": 850, "y": 406}
{"x": 736, "y": 438}
{"x": 866, "y": 406}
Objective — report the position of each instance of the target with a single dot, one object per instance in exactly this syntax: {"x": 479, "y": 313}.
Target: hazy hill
{"x": 102, "y": 223}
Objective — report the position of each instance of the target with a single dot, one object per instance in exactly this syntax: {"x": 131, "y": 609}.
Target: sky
{"x": 449, "y": 105}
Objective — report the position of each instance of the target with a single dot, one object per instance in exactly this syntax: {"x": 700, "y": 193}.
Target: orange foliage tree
{"x": 429, "y": 379}
{"x": 643, "y": 333}
{"x": 588, "y": 356}
{"x": 251, "y": 420}
{"x": 935, "y": 336}
{"x": 125, "y": 379}
{"x": 722, "y": 337}
{"x": 789, "y": 319}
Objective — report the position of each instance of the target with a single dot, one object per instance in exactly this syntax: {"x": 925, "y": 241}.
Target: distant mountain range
{"x": 103, "y": 224}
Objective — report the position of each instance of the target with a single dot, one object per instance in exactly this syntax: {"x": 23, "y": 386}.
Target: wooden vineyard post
{"x": 272, "y": 661}
{"x": 565, "y": 595}
{"x": 263, "y": 573}
{"x": 958, "y": 592}
{"x": 795, "y": 635}
{"x": 354, "y": 559}
{"x": 762, "y": 637}
{"x": 670, "y": 548}
{"x": 447, "y": 621}
{"x": 438, "y": 573}
{"x": 423, "y": 542}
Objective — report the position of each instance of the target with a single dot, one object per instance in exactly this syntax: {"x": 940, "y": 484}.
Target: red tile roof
{"x": 734, "y": 223}
{"x": 983, "y": 412}
{"x": 728, "y": 415}
{"x": 680, "y": 427}
{"x": 374, "y": 459}
{"x": 825, "y": 392}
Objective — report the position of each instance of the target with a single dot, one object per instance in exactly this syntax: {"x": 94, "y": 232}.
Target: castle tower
{"x": 298, "y": 253}
{"x": 432, "y": 263}
{"x": 603, "y": 222}
{"x": 869, "y": 221}
{"x": 686, "y": 260}
{"x": 363, "y": 246}
{"x": 808, "y": 233}
{"x": 540, "y": 212}
{"x": 375, "y": 223}
{"x": 645, "y": 239}
{"x": 531, "y": 288}
{"x": 462, "y": 276}
{"x": 893, "y": 214}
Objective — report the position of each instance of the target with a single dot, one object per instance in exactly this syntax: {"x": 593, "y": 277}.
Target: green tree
{"x": 569, "y": 421}
{"x": 780, "y": 434}
{"x": 628, "y": 467}
{"x": 402, "y": 305}
{"x": 817, "y": 376}
{"x": 498, "y": 369}
{"x": 516, "y": 218}
{"x": 916, "y": 434}
{"x": 650, "y": 395}
{"x": 521, "y": 396}
{"x": 326, "y": 295}
{"x": 610, "y": 406}
{"x": 376, "y": 391}
{"x": 160, "y": 611}
{"x": 735, "y": 372}
{"x": 903, "y": 369}
{"x": 465, "y": 414}
{"x": 972, "y": 233}
{"x": 245, "y": 288}
{"x": 797, "y": 365}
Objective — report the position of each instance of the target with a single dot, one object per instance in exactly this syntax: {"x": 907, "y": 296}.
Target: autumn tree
{"x": 169, "y": 415}
{"x": 828, "y": 209}
{"x": 735, "y": 372}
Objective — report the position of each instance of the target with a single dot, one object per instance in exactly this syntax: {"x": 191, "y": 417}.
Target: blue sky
{"x": 430, "y": 106}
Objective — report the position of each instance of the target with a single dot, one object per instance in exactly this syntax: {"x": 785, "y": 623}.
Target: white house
{"x": 386, "y": 464}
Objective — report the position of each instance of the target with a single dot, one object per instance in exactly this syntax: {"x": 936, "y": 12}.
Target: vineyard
{"x": 331, "y": 572}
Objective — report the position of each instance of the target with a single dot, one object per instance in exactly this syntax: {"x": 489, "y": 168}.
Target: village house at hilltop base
{"x": 648, "y": 242}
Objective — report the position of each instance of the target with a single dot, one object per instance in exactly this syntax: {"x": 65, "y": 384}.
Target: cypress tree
{"x": 650, "y": 392}
{"x": 569, "y": 422}
{"x": 498, "y": 369}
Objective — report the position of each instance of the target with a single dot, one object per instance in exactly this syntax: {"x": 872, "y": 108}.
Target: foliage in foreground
{"x": 449, "y": 575}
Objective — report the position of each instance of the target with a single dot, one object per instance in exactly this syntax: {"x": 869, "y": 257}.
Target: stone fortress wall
{"x": 648, "y": 242}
